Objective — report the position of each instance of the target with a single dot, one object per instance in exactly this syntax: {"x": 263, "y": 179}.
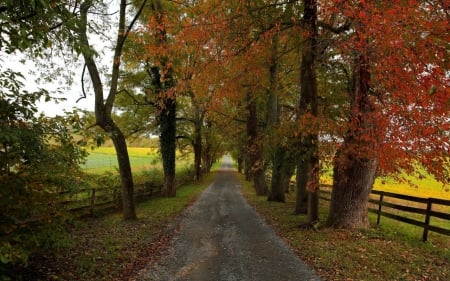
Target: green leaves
{"x": 39, "y": 157}
{"x": 32, "y": 24}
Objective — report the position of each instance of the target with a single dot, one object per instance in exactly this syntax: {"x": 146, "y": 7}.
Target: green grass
{"x": 103, "y": 160}
{"x": 392, "y": 251}
{"x": 109, "y": 248}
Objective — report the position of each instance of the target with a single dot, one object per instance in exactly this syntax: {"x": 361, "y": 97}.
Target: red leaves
{"x": 404, "y": 41}
{"x": 146, "y": 256}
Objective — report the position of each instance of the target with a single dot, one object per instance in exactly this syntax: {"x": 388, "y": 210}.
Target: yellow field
{"x": 425, "y": 188}
{"x": 132, "y": 151}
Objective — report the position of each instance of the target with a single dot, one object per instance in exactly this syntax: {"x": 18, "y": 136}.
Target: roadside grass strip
{"x": 108, "y": 248}
{"x": 391, "y": 251}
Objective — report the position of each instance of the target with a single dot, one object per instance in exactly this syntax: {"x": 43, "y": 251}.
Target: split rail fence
{"x": 99, "y": 200}
{"x": 402, "y": 206}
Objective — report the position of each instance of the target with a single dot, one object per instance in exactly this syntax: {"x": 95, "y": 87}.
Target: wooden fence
{"x": 94, "y": 201}
{"x": 106, "y": 197}
{"x": 378, "y": 201}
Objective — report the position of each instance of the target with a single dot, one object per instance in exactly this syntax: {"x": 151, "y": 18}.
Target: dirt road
{"x": 221, "y": 238}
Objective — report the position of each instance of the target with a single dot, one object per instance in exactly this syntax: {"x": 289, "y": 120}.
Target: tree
{"x": 255, "y": 146}
{"x": 164, "y": 84}
{"x": 308, "y": 166}
{"x": 398, "y": 90}
{"x": 277, "y": 151}
{"x": 104, "y": 107}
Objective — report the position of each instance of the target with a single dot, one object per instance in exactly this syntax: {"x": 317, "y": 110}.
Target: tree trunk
{"x": 301, "y": 202}
{"x": 313, "y": 207}
{"x": 126, "y": 176}
{"x": 308, "y": 144}
{"x": 277, "y": 192}
{"x": 355, "y": 162}
{"x": 314, "y": 181}
{"x": 197, "y": 144}
{"x": 308, "y": 180}
{"x": 210, "y": 147}
{"x": 247, "y": 169}
{"x": 278, "y": 152}
{"x": 240, "y": 164}
{"x": 207, "y": 158}
{"x": 167, "y": 123}
{"x": 103, "y": 108}
{"x": 255, "y": 166}
{"x": 164, "y": 83}
{"x": 352, "y": 183}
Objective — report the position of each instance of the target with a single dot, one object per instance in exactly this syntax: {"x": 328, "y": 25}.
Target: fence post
{"x": 427, "y": 221}
{"x": 379, "y": 208}
{"x": 92, "y": 202}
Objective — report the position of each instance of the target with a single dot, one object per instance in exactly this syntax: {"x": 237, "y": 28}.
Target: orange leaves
{"x": 404, "y": 41}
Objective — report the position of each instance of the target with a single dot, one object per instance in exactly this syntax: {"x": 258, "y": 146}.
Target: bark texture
{"x": 167, "y": 138}
{"x": 308, "y": 174}
{"x": 301, "y": 196}
{"x": 279, "y": 171}
{"x": 355, "y": 162}
{"x": 254, "y": 163}
{"x": 198, "y": 147}
{"x": 277, "y": 151}
{"x": 352, "y": 183}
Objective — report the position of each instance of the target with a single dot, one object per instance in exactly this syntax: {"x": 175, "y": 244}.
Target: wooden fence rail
{"x": 101, "y": 199}
{"x": 427, "y": 212}
{"x": 378, "y": 201}
{"x": 105, "y": 198}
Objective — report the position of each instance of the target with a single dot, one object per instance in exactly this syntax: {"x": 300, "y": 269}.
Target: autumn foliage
{"x": 360, "y": 85}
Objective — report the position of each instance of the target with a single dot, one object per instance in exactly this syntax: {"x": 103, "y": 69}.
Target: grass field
{"x": 426, "y": 187}
{"x": 103, "y": 159}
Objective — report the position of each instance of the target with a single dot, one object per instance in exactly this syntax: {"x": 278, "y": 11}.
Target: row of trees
{"x": 358, "y": 86}
{"x": 286, "y": 86}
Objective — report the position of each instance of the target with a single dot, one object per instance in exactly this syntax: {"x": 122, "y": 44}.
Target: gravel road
{"x": 221, "y": 238}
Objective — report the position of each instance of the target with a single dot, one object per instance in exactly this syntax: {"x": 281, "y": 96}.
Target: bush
{"x": 38, "y": 159}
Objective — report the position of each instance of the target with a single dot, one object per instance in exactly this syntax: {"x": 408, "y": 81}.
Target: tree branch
{"x": 136, "y": 101}
{"x": 336, "y": 30}
{"x": 82, "y": 84}
{"x": 122, "y": 35}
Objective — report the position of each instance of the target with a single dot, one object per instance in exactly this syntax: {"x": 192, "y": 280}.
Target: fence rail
{"x": 101, "y": 199}
{"x": 378, "y": 201}
{"x": 106, "y": 196}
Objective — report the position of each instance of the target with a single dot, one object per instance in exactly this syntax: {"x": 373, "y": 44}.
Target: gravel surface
{"x": 221, "y": 238}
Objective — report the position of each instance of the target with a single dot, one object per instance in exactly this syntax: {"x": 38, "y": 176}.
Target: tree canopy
{"x": 288, "y": 87}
